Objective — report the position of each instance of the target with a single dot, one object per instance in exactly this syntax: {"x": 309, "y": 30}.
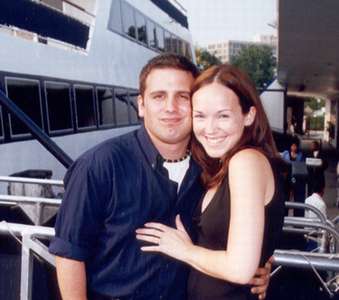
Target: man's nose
{"x": 170, "y": 104}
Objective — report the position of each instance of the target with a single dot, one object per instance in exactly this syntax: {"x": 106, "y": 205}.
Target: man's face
{"x": 166, "y": 106}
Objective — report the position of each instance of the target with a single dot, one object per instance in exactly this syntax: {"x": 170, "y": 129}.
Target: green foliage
{"x": 258, "y": 62}
{"x": 314, "y": 103}
{"x": 317, "y": 123}
{"x": 205, "y": 59}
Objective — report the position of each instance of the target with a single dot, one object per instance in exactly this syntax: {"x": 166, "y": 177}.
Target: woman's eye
{"x": 198, "y": 116}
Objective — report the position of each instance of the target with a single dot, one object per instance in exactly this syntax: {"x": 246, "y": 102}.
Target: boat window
{"x": 168, "y": 43}
{"x": 128, "y": 20}
{"x": 151, "y": 34}
{"x": 45, "y": 21}
{"x": 121, "y": 106}
{"x": 160, "y": 38}
{"x": 188, "y": 52}
{"x": 59, "y": 110}
{"x": 181, "y": 50}
{"x": 105, "y": 106}
{"x": 26, "y": 95}
{"x": 133, "y": 96}
{"x": 141, "y": 27}
{"x": 115, "y": 21}
{"x": 54, "y": 3}
{"x": 85, "y": 109}
{"x": 1, "y": 125}
{"x": 174, "y": 41}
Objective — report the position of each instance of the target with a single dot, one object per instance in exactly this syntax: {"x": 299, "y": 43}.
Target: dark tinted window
{"x": 188, "y": 52}
{"x": 26, "y": 95}
{"x": 141, "y": 26}
{"x": 58, "y": 106}
{"x": 105, "y": 106}
{"x": 160, "y": 38}
{"x": 151, "y": 34}
{"x": 46, "y": 22}
{"x": 121, "y": 106}
{"x": 115, "y": 22}
{"x": 181, "y": 49}
{"x": 174, "y": 41}
{"x": 1, "y": 124}
{"x": 128, "y": 20}
{"x": 168, "y": 42}
{"x": 84, "y": 106}
{"x": 133, "y": 107}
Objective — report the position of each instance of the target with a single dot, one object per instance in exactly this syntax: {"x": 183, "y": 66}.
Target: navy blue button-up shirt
{"x": 111, "y": 190}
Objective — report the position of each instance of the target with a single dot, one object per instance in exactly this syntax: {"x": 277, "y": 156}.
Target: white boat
{"x": 72, "y": 66}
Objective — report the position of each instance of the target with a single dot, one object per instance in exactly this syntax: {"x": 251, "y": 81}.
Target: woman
{"x": 293, "y": 154}
{"x": 296, "y": 187}
{"x": 239, "y": 218}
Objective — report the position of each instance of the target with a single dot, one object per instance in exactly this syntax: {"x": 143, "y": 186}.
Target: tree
{"x": 258, "y": 62}
{"x": 205, "y": 59}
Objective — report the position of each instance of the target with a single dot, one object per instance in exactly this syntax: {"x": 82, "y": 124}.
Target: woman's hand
{"x": 173, "y": 242}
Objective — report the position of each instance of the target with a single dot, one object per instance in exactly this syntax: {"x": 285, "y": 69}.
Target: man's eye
{"x": 224, "y": 116}
{"x": 184, "y": 97}
{"x": 157, "y": 97}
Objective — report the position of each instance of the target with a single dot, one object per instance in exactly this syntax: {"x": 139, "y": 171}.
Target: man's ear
{"x": 250, "y": 117}
{"x": 141, "y": 107}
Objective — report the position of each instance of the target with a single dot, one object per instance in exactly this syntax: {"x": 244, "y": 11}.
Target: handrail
{"x": 33, "y": 200}
{"x": 300, "y": 259}
{"x": 305, "y": 206}
{"x": 318, "y": 225}
{"x": 32, "y": 180}
{"x": 36, "y": 132}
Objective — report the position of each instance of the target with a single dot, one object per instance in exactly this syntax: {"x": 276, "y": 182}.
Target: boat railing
{"x": 29, "y": 237}
{"x": 322, "y": 258}
{"x": 35, "y": 197}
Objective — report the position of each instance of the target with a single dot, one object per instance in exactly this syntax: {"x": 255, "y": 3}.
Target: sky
{"x": 219, "y": 20}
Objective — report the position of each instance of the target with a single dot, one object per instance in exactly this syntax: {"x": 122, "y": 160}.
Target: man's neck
{"x": 171, "y": 151}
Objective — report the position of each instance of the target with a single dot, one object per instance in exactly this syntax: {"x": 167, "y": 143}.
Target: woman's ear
{"x": 250, "y": 117}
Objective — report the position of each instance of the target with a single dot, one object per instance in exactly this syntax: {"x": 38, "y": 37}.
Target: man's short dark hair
{"x": 318, "y": 184}
{"x": 166, "y": 61}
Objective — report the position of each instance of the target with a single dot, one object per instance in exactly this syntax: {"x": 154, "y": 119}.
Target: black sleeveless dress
{"x": 212, "y": 230}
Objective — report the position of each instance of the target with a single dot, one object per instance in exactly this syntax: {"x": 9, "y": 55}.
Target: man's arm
{"x": 261, "y": 280}
{"x": 71, "y": 278}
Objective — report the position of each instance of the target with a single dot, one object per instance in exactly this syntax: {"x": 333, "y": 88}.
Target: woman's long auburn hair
{"x": 258, "y": 135}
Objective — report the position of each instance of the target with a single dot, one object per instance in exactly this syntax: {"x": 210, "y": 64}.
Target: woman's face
{"x": 218, "y": 122}
{"x": 294, "y": 148}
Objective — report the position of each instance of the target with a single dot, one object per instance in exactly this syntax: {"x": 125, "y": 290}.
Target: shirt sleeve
{"x": 81, "y": 214}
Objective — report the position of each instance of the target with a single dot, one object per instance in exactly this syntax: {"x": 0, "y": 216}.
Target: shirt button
{"x": 160, "y": 297}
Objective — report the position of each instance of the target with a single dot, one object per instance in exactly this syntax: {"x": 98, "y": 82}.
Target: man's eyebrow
{"x": 158, "y": 92}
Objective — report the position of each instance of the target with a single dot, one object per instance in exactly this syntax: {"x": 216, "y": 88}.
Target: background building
{"x": 225, "y": 50}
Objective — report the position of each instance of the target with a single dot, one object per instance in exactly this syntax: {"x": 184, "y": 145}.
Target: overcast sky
{"x": 218, "y": 20}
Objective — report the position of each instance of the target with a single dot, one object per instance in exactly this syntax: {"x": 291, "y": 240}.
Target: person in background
{"x": 316, "y": 200}
{"x": 239, "y": 218}
{"x": 297, "y": 174}
{"x": 293, "y": 153}
{"x": 318, "y": 171}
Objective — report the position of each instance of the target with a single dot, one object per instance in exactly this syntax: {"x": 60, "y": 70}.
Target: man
{"x": 120, "y": 185}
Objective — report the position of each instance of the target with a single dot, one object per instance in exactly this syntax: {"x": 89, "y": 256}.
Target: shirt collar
{"x": 151, "y": 153}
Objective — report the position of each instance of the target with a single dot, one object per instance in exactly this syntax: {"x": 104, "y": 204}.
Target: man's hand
{"x": 261, "y": 280}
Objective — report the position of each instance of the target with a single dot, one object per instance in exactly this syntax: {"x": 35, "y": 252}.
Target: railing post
{"x": 26, "y": 278}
